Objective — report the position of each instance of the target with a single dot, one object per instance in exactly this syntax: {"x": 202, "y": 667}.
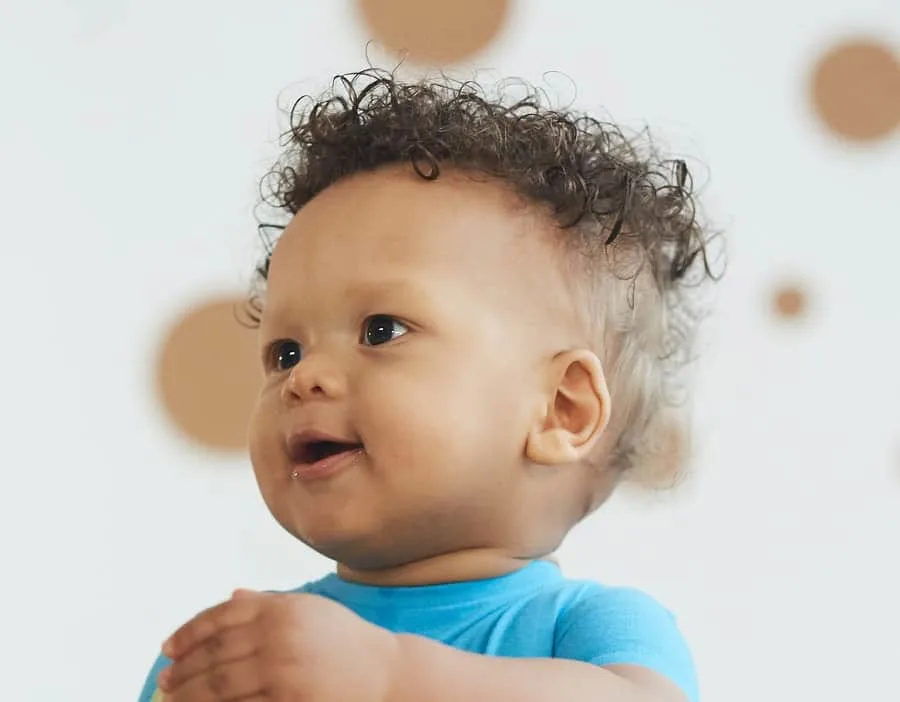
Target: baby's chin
{"x": 338, "y": 541}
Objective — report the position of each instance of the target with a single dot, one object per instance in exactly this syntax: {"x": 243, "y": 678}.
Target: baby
{"x": 471, "y": 329}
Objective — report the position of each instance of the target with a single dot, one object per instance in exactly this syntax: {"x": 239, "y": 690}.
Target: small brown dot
{"x": 790, "y": 302}
{"x": 855, "y": 89}
{"x": 208, "y": 374}
{"x": 434, "y": 32}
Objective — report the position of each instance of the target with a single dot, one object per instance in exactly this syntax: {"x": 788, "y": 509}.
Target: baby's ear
{"x": 576, "y": 410}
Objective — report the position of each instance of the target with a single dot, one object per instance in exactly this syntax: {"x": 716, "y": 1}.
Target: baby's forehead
{"x": 395, "y": 223}
{"x": 395, "y": 238}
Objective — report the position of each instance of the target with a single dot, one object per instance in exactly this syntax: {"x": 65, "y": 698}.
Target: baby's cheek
{"x": 404, "y": 425}
{"x": 256, "y": 443}
{"x": 264, "y": 444}
{"x": 424, "y": 415}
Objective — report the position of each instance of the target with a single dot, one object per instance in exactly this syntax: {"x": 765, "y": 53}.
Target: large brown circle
{"x": 208, "y": 374}
{"x": 855, "y": 90}
{"x": 434, "y": 32}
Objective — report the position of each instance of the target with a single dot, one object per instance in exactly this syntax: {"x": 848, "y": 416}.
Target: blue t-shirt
{"x": 534, "y": 612}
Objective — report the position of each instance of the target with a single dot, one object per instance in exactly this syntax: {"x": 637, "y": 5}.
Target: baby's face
{"x": 407, "y": 322}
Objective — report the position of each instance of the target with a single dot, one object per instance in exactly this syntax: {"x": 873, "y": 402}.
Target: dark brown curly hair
{"x": 630, "y": 214}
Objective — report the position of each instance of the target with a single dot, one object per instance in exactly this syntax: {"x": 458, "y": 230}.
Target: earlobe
{"x": 577, "y": 410}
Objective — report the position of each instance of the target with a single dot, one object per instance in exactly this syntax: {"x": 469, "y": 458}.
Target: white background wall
{"x": 131, "y": 138}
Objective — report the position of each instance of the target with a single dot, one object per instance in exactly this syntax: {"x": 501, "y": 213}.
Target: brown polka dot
{"x": 434, "y": 32}
{"x": 790, "y": 301}
{"x": 855, "y": 89}
{"x": 208, "y": 374}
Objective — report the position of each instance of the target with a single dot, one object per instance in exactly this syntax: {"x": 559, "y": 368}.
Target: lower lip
{"x": 325, "y": 468}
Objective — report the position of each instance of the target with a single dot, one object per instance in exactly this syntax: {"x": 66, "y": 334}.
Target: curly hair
{"x": 629, "y": 214}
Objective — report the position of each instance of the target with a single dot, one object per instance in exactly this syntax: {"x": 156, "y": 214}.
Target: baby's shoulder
{"x": 607, "y": 625}
{"x": 580, "y": 598}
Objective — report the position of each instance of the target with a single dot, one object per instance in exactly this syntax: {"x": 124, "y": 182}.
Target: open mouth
{"x": 307, "y": 452}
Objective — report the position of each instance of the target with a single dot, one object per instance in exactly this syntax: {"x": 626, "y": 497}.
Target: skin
{"x": 485, "y": 329}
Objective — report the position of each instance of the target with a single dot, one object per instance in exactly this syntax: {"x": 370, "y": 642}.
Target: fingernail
{"x": 167, "y": 648}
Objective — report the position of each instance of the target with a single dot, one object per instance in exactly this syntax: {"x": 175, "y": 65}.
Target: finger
{"x": 240, "y": 680}
{"x": 223, "y": 647}
{"x": 223, "y": 616}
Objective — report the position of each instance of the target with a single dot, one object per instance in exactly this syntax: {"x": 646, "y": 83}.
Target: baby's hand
{"x": 259, "y": 646}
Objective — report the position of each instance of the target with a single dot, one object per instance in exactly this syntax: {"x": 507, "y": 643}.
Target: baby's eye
{"x": 285, "y": 354}
{"x": 381, "y": 329}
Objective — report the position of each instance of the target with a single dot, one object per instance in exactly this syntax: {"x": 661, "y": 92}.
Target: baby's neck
{"x": 459, "y": 566}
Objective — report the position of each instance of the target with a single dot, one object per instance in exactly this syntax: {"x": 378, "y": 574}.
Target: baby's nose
{"x": 315, "y": 377}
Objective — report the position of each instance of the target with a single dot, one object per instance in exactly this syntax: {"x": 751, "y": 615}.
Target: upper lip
{"x": 300, "y": 444}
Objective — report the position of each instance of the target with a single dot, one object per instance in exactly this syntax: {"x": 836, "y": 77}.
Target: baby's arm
{"x": 439, "y": 673}
{"x": 610, "y": 645}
